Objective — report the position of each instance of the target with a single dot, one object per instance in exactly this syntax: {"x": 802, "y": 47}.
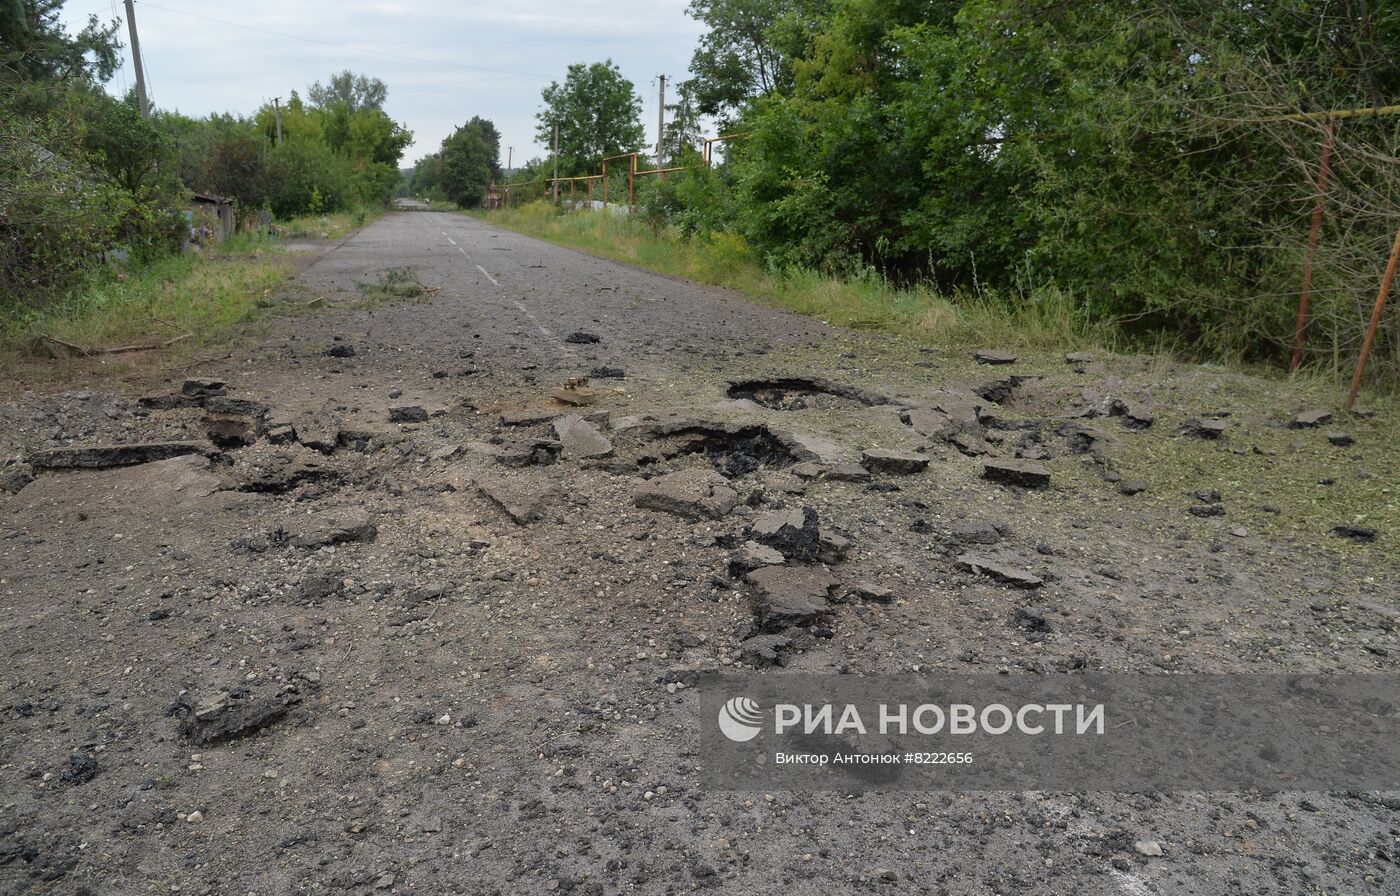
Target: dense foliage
{"x": 1132, "y": 154}
{"x": 597, "y": 114}
{"x": 462, "y": 170}
{"x": 85, "y": 178}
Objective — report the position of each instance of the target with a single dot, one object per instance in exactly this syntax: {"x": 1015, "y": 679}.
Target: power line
{"x": 326, "y": 43}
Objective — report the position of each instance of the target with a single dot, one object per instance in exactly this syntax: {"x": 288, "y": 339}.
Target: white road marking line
{"x": 488, "y": 276}
{"x": 450, "y": 240}
{"x": 460, "y": 249}
{"x": 538, "y": 326}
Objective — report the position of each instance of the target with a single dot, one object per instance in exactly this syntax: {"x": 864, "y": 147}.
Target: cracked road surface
{"x": 387, "y": 620}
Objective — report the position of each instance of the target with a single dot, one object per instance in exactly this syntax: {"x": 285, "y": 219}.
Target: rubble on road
{"x": 993, "y": 356}
{"x": 692, "y": 494}
{"x": 231, "y": 714}
{"x": 991, "y": 567}
{"x": 788, "y": 596}
{"x": 580, "y": 439}
{"x": 524, "y": 501}
{"x": 1016, "y": 472}
{"x": 334, "y": 527}
{"x": 889, "y": 460}
{"x": 96, "y": 457}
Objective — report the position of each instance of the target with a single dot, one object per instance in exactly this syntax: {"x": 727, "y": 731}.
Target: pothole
{"x": 734, "y": 452}
{"x": 801, "y": 393}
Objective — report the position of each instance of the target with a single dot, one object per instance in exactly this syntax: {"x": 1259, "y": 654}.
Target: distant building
{"x": 211, "y": 219}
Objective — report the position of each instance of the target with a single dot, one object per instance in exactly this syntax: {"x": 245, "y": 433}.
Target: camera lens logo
{"x": 740, "y": 719}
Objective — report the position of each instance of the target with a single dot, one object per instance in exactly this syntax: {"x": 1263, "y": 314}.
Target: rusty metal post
{"x": 605, "y": 183}
{"x": 1375, "y": 321}
{"x": 631, "y": 174}
{"x": 1323, "y": 168}
{"x": 571, "y": 193}
{"x": 590, "y": 195}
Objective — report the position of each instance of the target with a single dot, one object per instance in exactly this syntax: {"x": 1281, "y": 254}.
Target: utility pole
{"x": 136, "y": 60}
{"x": 660, "y": 121}
{"x": 277, "y": 111}
{"x": 556, "y": 163}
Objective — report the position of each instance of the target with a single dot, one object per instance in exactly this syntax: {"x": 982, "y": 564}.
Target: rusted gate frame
{"x": 710, "y": 142}
{"x": 1323, "y": 168}
{"x": 1375, "y": 321}
{"x": 631, "y": 174}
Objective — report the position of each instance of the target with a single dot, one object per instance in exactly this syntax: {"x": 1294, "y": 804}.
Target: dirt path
{"x": 399, "y": 629}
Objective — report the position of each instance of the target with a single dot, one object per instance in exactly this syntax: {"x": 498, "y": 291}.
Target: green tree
{"x": 598, "y": 113}
{"x": 469, "y": 162}
{"x": 353, "y": 91}
{"x": 681, "y": 136}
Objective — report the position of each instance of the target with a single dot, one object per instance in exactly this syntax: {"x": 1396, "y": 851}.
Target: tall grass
{"x": 1042, "y": 318}
{"x": 201, "y": 295}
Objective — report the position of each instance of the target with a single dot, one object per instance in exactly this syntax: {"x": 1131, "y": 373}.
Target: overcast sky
{"x": 463, "y": 59}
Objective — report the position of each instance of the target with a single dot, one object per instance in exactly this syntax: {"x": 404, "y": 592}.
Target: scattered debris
{"x": 693, "y": 494}
{"x": 92, "y": 457}
{"x": 985, "y": 565}
{"x": 319, "y": 431}
{"x": 976, "y": 533}
{"x": 1341, "y": 439}
{"x": 1204, "y": 429}
{"x": 579, "y": 337}
{"x": 337, "y": 527}
{"x": 1132, "y": 487}
{"x": 231, "y": 714}
{"x": 869, "y": 591}
{"x": 82, "y": 768}
{"x": 1133, "y": 415}
{"x": 795, "y": 533}
{"x": 607, "y": 373}
{"x": 790, "y": 595}
{"x": 407, "y": 413}
{"x": 800, "y": 393}
{"x": 1079, "y": 358}
{"x": 993, "y": 356}
{"x": 523, "y": 502}
{"x": 1016, "y": 472}
{"x": 1310, "y": 419}
{"x": 575, "y": 391}
{"x": 580, "y": 439}
{"x": 1355, "y": 533}
{"x": 887, "y": 460}
{"x": 340, "y": 350}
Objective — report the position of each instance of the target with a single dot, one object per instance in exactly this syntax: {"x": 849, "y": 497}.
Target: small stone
{"x": 993, "y": 356}
{"x": 1240, "y": 532}
{"x": 408, "y": 413}
{"x": 195, "y": 817}
{"x": 607, "y": 373}
{"x": 1079, "y": 358}
{"x": 1148, "y": 848}
{"x": 1132, "y": 487}
{"x": 1207, "y": 510}
{"x": 340, "y": 350}
{"x": 886, "y": 460}
{"x": 579, "y": 337}
{"x": 1016, "y": 472}
{"x": 1341, "y": 439}
{"x": 1310, "y": 419}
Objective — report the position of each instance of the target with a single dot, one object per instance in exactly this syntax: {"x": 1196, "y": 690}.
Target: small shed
{"x": 211, "y": 218}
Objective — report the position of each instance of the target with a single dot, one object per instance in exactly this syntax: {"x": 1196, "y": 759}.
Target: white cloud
{"x": 467, "y": 58}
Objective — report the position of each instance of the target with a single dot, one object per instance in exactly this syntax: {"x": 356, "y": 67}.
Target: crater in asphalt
{"x": 802, "y": 393}
{"x": 734, "y": 452}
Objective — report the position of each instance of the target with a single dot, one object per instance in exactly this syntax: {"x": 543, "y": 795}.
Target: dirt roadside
{"x": 380, "y": 616}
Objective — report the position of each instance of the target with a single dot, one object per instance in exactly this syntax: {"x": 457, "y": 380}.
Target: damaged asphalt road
{"x": 366, "y": 608}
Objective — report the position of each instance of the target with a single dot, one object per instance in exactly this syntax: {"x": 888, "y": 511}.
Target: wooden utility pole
{"x": 660, "y": 120}
{"x": 136, "y": 60}
{"x": 277, "y": 113}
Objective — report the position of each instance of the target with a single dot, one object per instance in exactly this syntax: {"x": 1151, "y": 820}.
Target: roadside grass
{"x": 1043, "y": 319}
{"x": 331, "y": 226}
{"x": 199, "y": 295}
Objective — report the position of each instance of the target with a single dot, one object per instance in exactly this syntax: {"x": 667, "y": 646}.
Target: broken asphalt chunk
{"x": 524, "y": 502}
{"x": 888, "y": 460}
{"x": 1310, "y": 419}
{"x": 580, "y": 439}
{"x": 1016, "y": 472}
{"x": 407, "y": 413}
{"x": 692, "y": 494}
{"x": 993, "y": 356}
{"x": 790, "y": 595}
{"x": 1355, "y": 533}
{"x": 1204, "y": 429}
{"x": 794, "y": 533}
{"x": 229, "y": 715}
{"x": 992, "y": 568}
{"x": 337, "y": 527}
{"x": 93, "y": 457}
